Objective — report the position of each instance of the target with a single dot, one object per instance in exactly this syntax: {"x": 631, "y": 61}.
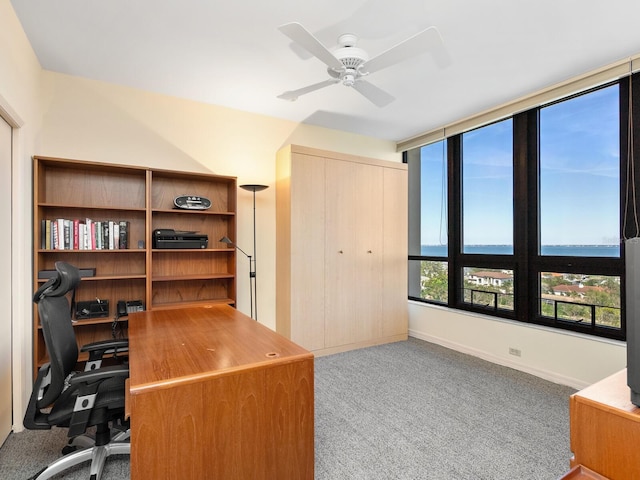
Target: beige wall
{"x": 563, "y": 357}
{"x": 90, "y": 120}
{"x": 20, "y": 105}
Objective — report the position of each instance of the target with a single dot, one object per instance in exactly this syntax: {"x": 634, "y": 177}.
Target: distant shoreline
{"x": 552, "y": 250}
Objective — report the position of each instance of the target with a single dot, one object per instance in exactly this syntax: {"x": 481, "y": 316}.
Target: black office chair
{"x": 76, "y": 400}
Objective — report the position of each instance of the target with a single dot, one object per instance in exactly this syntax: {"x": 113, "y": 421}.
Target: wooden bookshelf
{"x": 142, "y": 197}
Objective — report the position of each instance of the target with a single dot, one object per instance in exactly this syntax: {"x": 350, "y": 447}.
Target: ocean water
{"x": 552, "y": 250}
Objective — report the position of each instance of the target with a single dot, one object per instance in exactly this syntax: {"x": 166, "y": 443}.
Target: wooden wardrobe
{"x": 341, "y": 249}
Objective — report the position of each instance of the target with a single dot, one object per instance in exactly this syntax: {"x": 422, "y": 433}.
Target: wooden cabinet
{"x": 341, "y": 251}
{"x": 143, "y": 199}
{"x": 605, "y": 429}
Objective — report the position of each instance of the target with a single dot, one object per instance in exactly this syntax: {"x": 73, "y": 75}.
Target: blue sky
{"x": 579, "y": 185}
{"x": 580, "y": 170}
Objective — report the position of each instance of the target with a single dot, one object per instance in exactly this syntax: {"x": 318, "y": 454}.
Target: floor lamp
{"x": 254, "y": 296}
{"x": 253, "y": 287}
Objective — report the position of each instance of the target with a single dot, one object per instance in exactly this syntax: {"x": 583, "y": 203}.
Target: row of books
{"x": 66, "y": 234}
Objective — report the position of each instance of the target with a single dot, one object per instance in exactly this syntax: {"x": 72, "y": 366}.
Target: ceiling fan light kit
{"x": 348, "y": 64}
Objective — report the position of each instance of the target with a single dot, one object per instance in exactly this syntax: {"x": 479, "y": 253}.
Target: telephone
{"x": 126, "y": 307}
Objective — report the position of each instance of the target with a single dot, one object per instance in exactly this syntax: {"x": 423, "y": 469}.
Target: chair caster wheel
{"x": 69, "y": 449}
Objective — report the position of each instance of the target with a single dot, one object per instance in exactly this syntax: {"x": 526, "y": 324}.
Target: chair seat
{"x": 109, "y": 404}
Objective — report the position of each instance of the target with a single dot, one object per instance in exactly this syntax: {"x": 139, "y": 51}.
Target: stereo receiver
{"x": 192, "y": 202}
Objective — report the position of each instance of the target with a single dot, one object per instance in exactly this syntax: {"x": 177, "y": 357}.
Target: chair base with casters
{"x": 111, "y": 434}
{"x": 97, "y": 454}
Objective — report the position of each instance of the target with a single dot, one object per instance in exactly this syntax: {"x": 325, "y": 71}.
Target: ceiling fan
{"x": 349, "y": 64}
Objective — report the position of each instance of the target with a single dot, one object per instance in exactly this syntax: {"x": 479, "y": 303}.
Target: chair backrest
{"x": 54, "y": 311}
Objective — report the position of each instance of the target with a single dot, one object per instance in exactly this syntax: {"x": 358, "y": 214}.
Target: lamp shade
{"x": 254, "y": 188}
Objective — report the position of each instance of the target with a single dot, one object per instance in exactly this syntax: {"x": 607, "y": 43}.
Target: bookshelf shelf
{"x": 168, "y": 306}
{"x": 123, "y": 251}
{"x": 142, "y": 197}
{"x": 190, "y": 212}
{"x": 71, "y": 207}
{"x": 174, "y": 278}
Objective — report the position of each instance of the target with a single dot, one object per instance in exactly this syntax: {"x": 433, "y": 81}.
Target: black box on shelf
{"x": 169, "y": 238}
{"x": 84, "y": 272}
{"x": 92, "y": 309}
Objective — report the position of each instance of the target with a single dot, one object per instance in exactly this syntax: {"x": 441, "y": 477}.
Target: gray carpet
{"x": 409, "y": 410}
{"x": 414, "y": 410}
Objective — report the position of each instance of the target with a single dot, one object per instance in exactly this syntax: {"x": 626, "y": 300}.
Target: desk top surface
{"x": 171, "y": 347}
{"x": 611, "y": 393}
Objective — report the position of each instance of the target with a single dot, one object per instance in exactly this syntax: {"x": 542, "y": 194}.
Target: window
{"x": 580, "y": 176}
{"x": 589, "y": 299}
{"x": 433, "y": 200}
{"x": 488, "y": 287}
{"x": 487, "y": 189}
{"x": 431, "y": 245}
{"x": 534, "y": 215}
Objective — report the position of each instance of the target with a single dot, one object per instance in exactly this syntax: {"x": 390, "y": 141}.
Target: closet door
{"x": 394, "y": 290}
{"x": 353, "y": 252}
{"x": 307, "y": 204}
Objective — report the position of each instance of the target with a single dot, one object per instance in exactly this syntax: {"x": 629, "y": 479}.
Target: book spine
{"x": 111, "y": 232}
{"x": 80, "y": 236}
{"x": 76, "y": 234}
{"x": 68, "y": 234}
{"x": 60, "y": 234}
{"x": 54, "y": 235}
{"x": 124, "y": 234}
{"x": 99, "y": 236}
{"x": 116, "y": 235}
{"x": 105, "y": 235}
{"x": 92, "y": 236}
{"x": 47, "y": 237}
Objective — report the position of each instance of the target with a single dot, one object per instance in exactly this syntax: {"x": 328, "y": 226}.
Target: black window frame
{"x": 526, "y": 262}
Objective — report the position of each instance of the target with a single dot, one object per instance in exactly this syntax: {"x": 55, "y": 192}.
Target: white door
{"x": 5, "y": 281}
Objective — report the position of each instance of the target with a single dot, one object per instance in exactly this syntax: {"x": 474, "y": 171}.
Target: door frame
{"x": 21, "y": 242}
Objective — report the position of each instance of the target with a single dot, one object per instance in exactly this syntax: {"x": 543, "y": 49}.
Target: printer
{"x": 170, "y": 238}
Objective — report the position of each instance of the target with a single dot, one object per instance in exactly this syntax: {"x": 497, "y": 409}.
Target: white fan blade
{"x": 374, "y": 94}
{"x": 302, "y": 37}
{"x": 412, "y": 46}
{"x": 293, "y": 95}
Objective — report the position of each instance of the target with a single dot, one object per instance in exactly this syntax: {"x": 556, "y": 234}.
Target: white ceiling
{"x": 231, "y": 53}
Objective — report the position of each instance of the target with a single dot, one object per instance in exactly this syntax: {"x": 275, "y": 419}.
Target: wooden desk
{"x": 216, "y": 395}
{"x": 605, "y": 429}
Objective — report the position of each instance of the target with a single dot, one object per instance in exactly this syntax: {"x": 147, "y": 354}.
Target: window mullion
{"x": 454, "y": 192}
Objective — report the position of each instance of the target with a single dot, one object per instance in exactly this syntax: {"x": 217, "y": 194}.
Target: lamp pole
{"x": 228, "y": 241}
{"x": 254, "y": 294}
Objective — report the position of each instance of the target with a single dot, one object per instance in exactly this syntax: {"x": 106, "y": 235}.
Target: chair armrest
{"x": 103, "y": 373}
{"x": 98, "y": 350}
{"x": 104, "y": 345}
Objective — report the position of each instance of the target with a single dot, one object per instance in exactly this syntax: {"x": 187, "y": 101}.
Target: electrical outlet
{"x": 515, "y": 352}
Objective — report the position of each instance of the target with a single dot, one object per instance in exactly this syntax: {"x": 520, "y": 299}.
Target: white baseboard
{"x": 490, "y": 357}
